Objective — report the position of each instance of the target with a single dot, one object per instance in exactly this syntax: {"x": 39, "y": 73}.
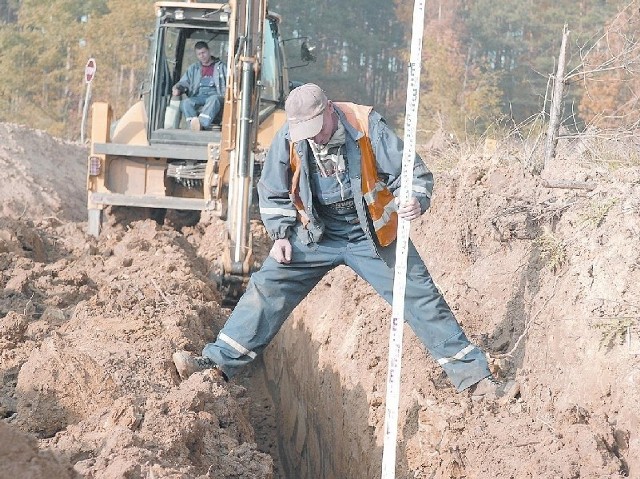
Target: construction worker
{"x": 327, "y": 199}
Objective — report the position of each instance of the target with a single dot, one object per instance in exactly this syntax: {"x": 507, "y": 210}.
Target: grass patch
{"x": 613, "y": 331}
{"x": 553, "y": 251}
{"x": 598, "y": 211}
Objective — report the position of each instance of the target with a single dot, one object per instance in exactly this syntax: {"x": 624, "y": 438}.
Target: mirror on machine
{"x": 307, "y": 51}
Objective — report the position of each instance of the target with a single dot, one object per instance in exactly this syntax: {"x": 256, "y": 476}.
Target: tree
{"x": 42, "y": 47}
{"x": 359, "y": 46}
{"x": 610, "y": 74}
{"x": 47, "y": 46}
{"x": 458, "y": 96}
{"x": 521, "y": 43}
{"x": 120, "y": 52}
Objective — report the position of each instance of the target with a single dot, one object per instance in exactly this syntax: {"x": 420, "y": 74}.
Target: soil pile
{"x": 545, "y": 279}
{"x": 87, "y": 332}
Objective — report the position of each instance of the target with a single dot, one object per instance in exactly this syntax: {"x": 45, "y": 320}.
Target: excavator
{"x": 151, "y": 159}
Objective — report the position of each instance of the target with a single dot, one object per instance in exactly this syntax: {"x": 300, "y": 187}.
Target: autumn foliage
{"x": 611, "y": 77}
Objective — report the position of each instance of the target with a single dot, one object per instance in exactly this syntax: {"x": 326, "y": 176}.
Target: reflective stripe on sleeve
{"x": 236, "y": 345}
{"x": 278, "y": 211}
{"x": 458, "y": 356}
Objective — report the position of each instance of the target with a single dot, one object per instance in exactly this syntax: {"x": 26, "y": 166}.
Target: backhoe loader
{"x": 151, "y": 159}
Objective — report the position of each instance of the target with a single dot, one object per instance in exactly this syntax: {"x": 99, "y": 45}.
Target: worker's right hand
{"x": 281, "y": 250}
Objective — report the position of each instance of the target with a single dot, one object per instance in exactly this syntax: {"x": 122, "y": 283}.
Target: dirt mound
{"x": 88, "y": 328}
{"x": 21, "y": 457}
{"x": 44, "y": 175}
{"x": 95, "y": 376}
{"x": 544, "y": 278}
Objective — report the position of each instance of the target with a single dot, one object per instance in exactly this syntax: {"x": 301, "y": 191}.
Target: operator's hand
{"x": 175, "y": 91}
{"x": 281, "y": 250}
{"x": 409, "y": 211}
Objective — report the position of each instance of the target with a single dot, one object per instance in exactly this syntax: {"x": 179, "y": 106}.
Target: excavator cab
{"x": 174, "y": 52}
{"x": 150, "y": 159}
{"x": 179, "y": 48}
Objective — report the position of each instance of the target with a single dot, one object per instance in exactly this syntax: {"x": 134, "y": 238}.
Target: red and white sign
{"x": 90, "y": 70}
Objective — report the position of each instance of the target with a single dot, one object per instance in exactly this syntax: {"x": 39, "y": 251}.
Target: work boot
{"x": 487, "y": 388}
{"x": 187, "y": 364}
{"x": 194, "y": 124}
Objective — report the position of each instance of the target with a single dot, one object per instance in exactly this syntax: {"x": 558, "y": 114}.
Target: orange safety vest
{"x": 294, "y": 159}
{"x": 380, "y": 201}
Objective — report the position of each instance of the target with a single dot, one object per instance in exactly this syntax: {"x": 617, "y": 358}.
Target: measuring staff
{"x": 394, "y": 366}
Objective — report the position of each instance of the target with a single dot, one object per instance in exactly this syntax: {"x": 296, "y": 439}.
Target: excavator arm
{"x": 239, "y": 142}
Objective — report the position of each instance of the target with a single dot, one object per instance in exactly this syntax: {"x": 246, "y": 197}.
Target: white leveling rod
{"x": 402, "y": 246}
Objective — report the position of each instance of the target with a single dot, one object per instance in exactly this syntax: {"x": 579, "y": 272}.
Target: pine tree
{"x": 521, "y": 43}
{"x": 359, "y": 48}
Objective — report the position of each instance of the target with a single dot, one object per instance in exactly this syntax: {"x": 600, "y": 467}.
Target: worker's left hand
{"x": 281, "y": 251}
{"x": 409, "y": 211}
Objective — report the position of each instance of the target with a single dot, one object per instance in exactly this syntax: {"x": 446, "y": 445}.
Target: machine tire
{"x": 94, "y": 221}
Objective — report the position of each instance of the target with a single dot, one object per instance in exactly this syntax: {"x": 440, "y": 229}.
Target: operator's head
{"x": 202, "y": 52}
{"x": 309, "y": 114}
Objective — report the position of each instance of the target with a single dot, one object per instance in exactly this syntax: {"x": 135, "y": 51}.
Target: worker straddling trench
{"x": 327, "y": 199}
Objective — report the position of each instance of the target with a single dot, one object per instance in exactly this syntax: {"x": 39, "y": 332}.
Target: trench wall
{"x": 322, "y": 426}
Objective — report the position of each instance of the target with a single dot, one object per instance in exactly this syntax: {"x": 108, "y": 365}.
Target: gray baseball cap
{"x": 305, "y": 106}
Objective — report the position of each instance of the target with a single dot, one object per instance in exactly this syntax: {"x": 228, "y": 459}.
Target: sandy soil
{"x": 546, "y": 279}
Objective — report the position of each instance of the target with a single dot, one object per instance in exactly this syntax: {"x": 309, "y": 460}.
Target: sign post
{"x": 89, "y": 73}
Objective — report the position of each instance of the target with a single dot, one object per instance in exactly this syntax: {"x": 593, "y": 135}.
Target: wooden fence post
{"x": 556, "y": 105}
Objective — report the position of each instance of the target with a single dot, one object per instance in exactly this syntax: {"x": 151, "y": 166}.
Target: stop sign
{"x": 90, "y": 70}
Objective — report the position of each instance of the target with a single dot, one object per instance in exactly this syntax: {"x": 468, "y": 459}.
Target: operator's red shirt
{"x": 207, "y": 71}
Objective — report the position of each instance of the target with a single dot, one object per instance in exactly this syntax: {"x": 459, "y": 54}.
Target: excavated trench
{"x": 323, "y": 430}
{"x": 299, "y": 416}
{"x": 324, "y": 377}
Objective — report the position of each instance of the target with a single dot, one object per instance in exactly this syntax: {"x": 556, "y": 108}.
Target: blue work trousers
{"x": 276, "y": 289}
{"x": 209, "y": 106}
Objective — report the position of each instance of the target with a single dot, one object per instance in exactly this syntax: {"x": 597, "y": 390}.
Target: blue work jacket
{"x": 278, "y": 211}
